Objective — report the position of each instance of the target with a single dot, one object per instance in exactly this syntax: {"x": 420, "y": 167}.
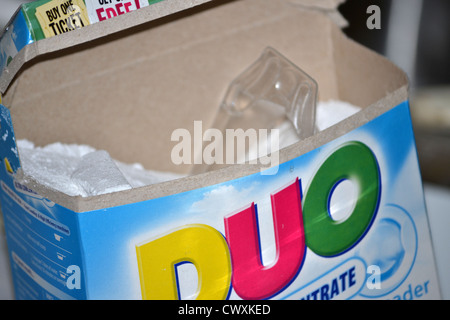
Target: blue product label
{"x": 42, "y": 237}
{"x": 13, "y": 40}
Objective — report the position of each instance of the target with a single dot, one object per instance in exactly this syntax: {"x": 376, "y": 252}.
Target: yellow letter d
{"x": 202, "y": 245}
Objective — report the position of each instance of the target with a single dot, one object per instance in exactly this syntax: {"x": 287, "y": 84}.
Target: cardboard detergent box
{"x": 126, "y": 83}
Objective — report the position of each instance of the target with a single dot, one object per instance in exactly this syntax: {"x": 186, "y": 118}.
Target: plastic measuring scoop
{"x": 271, "y": 90}
{"x": 269, "y": 94}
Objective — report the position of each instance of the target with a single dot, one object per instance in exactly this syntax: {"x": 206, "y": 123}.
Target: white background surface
{"x": 438, "y": 203}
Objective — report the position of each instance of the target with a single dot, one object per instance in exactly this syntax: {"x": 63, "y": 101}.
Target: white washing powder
{"x": 331, "y": 112}
{"x": 328, "y": 113}
{"x": 82, "y": 170}
{"x": 97, "y": 173}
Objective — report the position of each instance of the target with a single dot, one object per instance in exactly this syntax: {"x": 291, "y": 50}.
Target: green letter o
{"x": 325, "y": 236}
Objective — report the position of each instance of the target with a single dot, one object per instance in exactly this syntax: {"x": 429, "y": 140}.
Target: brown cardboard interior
{"x": 127, "y": 92}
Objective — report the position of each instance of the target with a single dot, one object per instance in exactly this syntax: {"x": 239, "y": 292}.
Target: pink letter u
{"x": 251, "y": 279}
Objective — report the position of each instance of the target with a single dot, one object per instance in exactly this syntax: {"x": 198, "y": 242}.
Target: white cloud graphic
{"x": 224, "y": 200}
{"x": 228, "y": 199}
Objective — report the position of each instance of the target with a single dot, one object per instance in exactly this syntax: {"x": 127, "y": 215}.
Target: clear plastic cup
{"x": 272, "y": 94}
